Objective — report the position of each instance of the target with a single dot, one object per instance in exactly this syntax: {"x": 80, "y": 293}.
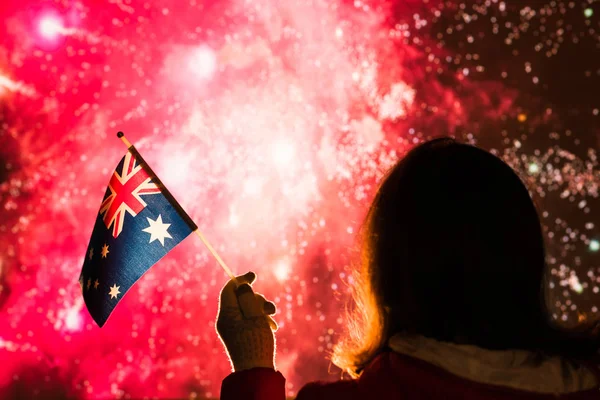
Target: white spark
{"x": 203, "y": 62}
{"x": 50, "y": 27}
{"x": 282, "y": 270}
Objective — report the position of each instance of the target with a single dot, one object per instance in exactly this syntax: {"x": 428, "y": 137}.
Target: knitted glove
{"x": 245, "y": 326}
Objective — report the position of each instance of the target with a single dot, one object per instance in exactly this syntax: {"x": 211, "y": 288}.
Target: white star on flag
{"x": 157, "y": 230}
{"x": 114, "y": 291}
{"x": 105, "y": 250}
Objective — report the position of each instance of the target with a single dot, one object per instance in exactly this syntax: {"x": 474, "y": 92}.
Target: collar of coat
{"x": 516, "y": 369}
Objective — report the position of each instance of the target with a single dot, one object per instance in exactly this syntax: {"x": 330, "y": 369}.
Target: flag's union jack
{"x": 126, "y": 190}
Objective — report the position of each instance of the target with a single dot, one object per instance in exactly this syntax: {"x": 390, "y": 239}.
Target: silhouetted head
{"x": 452, "y": 250}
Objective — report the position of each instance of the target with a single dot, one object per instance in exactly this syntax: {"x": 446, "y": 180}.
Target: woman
{"x": 449, "y": 303}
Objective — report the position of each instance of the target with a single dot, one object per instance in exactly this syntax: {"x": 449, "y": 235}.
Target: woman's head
{"x": 452, "y": 250}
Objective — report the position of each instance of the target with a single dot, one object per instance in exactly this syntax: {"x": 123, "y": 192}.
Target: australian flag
{"x": 139, "y": 222}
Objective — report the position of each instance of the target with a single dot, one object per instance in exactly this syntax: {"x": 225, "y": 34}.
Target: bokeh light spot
{"x": 203, "y": 62}
{"x": 282, "y": 270}
{"x": 73, "y": 319}
{"x": 282, "y": 152}
{"x": 50, "y": 27}
{"x": 534, "y": 168}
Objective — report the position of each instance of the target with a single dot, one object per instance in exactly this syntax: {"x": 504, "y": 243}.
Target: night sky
{"x": 272, "y": 123}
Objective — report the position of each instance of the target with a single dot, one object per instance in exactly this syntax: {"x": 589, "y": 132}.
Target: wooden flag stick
{"x": 215, "y": 255}
{"x": 121, "y": 136}
{"x": 127, "y": 143}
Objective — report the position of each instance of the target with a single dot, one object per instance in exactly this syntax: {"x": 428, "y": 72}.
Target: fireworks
{"x": 271, "y": 123}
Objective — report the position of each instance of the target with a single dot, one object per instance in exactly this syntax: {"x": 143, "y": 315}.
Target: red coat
{"x": 389, "y": 376}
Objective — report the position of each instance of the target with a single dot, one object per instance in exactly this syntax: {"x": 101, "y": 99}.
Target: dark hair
{"x": 452, "y": 250}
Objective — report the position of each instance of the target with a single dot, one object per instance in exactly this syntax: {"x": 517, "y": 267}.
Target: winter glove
{"x": 245, "y": 326}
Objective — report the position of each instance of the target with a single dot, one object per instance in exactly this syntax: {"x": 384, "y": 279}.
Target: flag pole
{"x": 127, "y": 143}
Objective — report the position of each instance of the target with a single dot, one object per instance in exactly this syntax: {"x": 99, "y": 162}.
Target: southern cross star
{"x": 114, "y": 291}
{"x": 104, "y": 251}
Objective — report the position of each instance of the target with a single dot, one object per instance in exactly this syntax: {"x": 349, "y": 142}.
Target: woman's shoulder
{"x": 344, "y": 389}
{"x": 351, "y": 389}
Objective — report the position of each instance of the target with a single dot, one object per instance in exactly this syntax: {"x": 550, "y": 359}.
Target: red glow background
{"x": 271, "y": 122}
